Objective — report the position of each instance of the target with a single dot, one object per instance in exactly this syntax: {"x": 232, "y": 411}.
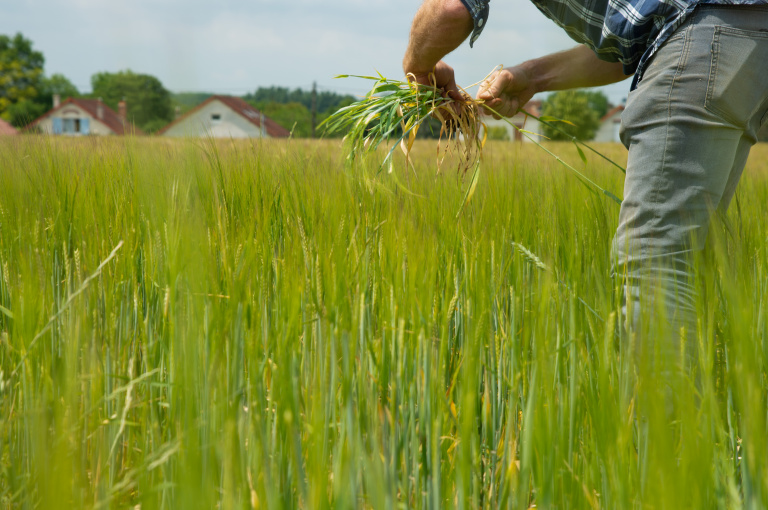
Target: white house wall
{"x": 609, "y": 130}
{"x": 72, "y": 111}
{"x": 200, "y": 124}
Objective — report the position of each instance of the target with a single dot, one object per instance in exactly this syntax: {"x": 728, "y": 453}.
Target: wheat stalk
{"x": 393, "y": 104}
{"x": 395, "y": 110}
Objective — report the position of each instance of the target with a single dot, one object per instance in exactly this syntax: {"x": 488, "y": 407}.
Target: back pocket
{"x": 738, "y": 76}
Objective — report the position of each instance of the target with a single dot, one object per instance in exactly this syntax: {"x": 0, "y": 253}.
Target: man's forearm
{"x": 509, "y": 89}
{"x": 438, "y": 28}
{"x": 578, "y": 67}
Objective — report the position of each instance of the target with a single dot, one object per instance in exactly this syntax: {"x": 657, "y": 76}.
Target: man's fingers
{"x": 510, "y": 108}
{"x": 496, "y": 108}
{"x": 489, "y": 92}
{"x": 500, "y": 94}
{"x": 492, "y": 106}
{"x": 491, "y": 88}
{"x": 453, "y": 92}
{"x": 501, "y": 107}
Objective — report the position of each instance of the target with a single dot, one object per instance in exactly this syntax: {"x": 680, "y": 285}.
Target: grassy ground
{"x": 248, "y": 325}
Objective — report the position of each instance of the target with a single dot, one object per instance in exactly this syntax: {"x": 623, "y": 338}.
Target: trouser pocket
{"x": 738, "y": 78}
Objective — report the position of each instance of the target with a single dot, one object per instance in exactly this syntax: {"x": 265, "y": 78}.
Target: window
{"x": 215, "y": 118}
{"x": 72, "y": 126}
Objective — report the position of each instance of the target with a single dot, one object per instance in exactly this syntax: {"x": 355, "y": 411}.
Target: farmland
{"x": 199, "y": 324}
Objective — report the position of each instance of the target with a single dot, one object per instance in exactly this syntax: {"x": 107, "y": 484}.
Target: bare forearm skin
{"x": 578, "y": 67}
{"x": 507, "y": 90}
{"x": 438, "y": 28}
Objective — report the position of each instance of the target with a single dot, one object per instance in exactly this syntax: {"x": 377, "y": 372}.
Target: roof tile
{"x": 242, "y": 108}
{"x": 7, "y": 129}
{"x": 109, "y": 118}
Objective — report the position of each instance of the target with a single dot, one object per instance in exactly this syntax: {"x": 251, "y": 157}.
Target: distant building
{"x": 225, "y": 117}
{"x": 610, "y": 125}
{"x": 6, "y": 129}
{"x": 78, "y": 117}
{"x": 522, "y": 121}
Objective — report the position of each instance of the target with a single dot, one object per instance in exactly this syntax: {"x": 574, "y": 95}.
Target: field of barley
{"x": 244, "y": 324}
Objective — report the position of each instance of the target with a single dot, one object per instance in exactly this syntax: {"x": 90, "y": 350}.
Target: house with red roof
{"x": 225, "y": 117}
{"x": 78, "y": 117}
{"x": 6, "y": 129}
{"x": 521, "y": 121}
{"x": 610, "y": 125}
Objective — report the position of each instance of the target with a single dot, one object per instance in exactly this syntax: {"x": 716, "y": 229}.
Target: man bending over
{"x": 699, "y": 94}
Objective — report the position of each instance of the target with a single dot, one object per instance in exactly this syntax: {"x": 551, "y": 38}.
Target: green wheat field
{"x": 198, "y": 324}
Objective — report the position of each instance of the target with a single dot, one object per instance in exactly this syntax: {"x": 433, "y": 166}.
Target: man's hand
{"x": 442, "y": 77}
{"x": 438, "y": 28}
{"x": 509, "y": 89}
{"x": 505, "y": 91}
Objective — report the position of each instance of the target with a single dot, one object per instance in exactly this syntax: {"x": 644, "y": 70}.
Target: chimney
{"x": 262, "y": 125}
{"x": 122, "y": 111}
{"x": 56, "y": 100}
{"x": 100, "y": 110}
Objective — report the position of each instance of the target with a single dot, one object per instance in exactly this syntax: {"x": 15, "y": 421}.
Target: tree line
{"x": 26, "y": 93}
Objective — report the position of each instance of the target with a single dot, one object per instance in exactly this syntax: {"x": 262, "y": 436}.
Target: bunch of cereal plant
{"x": 394, "y": 110}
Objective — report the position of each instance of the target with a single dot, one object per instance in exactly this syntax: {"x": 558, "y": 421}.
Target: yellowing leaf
{"x": 471, "y": 188}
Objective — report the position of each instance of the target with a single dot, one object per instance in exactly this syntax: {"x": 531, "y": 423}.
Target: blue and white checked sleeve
{"x": 479, "y": 10}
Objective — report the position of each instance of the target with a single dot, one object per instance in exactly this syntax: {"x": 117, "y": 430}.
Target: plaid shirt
{"x": 626, "y": 31}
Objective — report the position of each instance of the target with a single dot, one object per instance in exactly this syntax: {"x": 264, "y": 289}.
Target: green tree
{"x": 21, "y": 71}
{"x": 56, "y": 84}
{"x": 325, "y": 101}
{"x": 283, "y": 105}
{"x": 497, "y": 133}
{"x": 574, "y": 107}
{"x": 186, "y": 101}
{"x": 598, "y": 101}
{"x": 25, "y": 111}
{"x": 294, "y": 117}
{"x": 149, "y": 103}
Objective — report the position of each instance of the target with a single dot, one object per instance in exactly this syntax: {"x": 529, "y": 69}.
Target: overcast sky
{"x": 235, "y": 46}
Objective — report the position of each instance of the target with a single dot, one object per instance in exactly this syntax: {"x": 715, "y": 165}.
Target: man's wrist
{"x": 438, "y": 28}
{"x": 410, "y": 67}
{"x": 534, "y": 75}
